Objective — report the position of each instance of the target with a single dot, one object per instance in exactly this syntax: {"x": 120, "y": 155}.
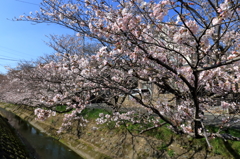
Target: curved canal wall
{"x": 11, "y": 146}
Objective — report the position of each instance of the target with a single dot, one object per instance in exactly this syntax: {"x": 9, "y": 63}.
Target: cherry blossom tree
{"x": 43, "y": 78}
{"x": 12, "y": 87}
{"x": 188, "y": 48}
{"x": 3, "y": 82}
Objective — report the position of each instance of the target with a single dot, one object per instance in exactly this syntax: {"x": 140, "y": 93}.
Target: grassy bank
{"x": 125, "y": 142}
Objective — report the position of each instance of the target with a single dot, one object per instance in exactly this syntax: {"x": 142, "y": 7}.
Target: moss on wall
{"x": 11, "y": 145}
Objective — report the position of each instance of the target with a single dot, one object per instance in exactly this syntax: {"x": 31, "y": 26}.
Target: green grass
{"x": 233, "y": 132}
{"x": 61, "y": 108}
{"x": 221, "y": 147}
{"x": 218, "y": 147}
{"x": 170, "y": 152}
{"x": 227, "y": 149}
{"x": 89, "y": 113}
{"x": 162, "y": 133}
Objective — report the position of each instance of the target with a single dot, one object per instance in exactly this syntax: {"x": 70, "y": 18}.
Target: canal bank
{"x": 50, "y": 127}
{"x": 40, "y": 145}
{"x": 92, "y": 143}
{"x": 105, "y": 142}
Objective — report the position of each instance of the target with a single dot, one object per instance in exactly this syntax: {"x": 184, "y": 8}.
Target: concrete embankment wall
{"x": 11, "y": 145}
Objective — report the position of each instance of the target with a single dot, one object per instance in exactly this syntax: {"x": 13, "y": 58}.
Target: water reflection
{"x": 46, "y": 147}
{"x": 33, "y": 131}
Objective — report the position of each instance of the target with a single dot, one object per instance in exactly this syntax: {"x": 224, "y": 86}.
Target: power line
{"x": 3, "y": 47}
{"x": 2, "y": 56}
{"x": 18, "y": 58}
{"x": 10, "y": 49}
{"x": 9, "y": 53}
{"x": 8, "y": 59}
{"x": 27, "y": 2}
{"x": 12, "y": 58}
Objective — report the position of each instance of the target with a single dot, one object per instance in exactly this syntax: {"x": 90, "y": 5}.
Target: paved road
{"x": 216, "y": 119}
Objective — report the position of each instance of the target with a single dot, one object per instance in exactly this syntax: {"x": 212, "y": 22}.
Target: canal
{"x": 41, "y": 145}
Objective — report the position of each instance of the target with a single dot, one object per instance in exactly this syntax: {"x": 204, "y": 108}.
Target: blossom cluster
{"x": 42, "y": 114}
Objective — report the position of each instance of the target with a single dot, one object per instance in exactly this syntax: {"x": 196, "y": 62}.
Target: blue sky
{"x": 21, "y": 40}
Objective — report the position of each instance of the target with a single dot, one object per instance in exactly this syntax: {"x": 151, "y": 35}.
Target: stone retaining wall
{"x": 11, "y": 145}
